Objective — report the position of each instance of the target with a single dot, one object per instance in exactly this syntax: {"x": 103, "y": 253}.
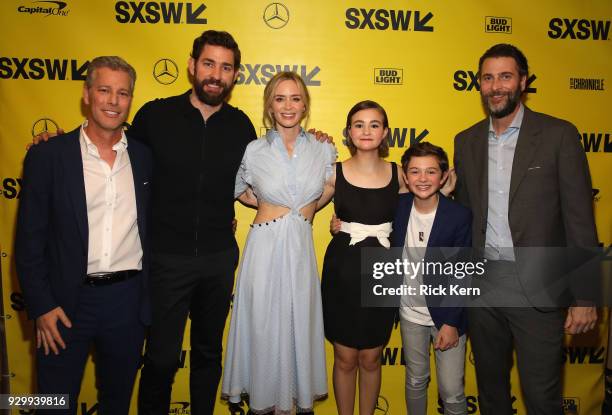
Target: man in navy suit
{"x": 81, "y": 245}
{"x": 426, "y": 219}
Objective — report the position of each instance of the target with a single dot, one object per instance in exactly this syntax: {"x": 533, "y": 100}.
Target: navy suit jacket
{"x": 452, "y": 227}
{"x": 51, "y": 244}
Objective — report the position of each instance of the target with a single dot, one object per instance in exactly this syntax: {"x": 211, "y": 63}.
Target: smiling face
{"x": 109, "y": 98}
{"x": 213, "y": 74}
{"x": 424, "y": 176}
{"x": 367, "y": 130}
{"x": 501, "y": 86}
{"x": 288, "y": 106}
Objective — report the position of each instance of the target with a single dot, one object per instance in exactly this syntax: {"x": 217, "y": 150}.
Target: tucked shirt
{"x": 195, "y": 165}
{"x": 414, "y": 307}
{"x": 114, "y": 242}
{"x": 498, "y": 243}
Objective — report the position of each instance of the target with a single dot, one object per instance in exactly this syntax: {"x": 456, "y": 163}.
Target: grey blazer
{"x": 550, "y": 199}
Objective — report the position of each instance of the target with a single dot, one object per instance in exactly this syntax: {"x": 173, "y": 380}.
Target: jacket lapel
{"x": 75, "y": 185}
{"x": 480, "y": 151}
{"x": 137, "y": 174}
{"x": 527, "y": 143}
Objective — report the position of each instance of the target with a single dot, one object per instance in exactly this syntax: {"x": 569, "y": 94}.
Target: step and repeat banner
{"x": 417, "y": 58}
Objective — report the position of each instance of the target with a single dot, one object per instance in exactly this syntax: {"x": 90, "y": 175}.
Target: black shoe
{"x": 606, "y": 408}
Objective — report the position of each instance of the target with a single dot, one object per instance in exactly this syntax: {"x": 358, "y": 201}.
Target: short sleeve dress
{"x": 276, "y": 346}
{"x": 346, "y": 321}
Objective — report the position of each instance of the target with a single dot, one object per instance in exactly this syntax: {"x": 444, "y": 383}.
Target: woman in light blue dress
{"x": 275, "y": 348}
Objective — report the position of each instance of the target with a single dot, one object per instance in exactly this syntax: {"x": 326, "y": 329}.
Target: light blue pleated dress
{"x": 275, "y": 350}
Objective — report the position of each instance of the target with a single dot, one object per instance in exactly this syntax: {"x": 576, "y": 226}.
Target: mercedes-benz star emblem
{"x": 165, "y": 71}
{"x": 44, "y": 125}
{"x": 276, "y": 15}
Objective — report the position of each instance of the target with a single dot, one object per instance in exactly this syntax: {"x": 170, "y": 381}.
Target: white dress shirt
{"x": 114, "y": 242}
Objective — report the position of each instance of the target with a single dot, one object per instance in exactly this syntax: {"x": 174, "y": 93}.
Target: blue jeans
{"x": 450, "y": 369}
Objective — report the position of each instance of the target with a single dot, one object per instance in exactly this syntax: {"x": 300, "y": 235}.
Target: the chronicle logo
{"x": 46, "y": 8}
{"x": 160, "y": 12}
{"x": 583, "y": 29}
{"x": 44, "y": 125}
{"x": 388, "y": 76}
{"x": 498, "y": 24}
{"x": 571, "y": 406}
{"x": 260, "y": 73}
{"x": 596, "y": 142}
{"x": 276, "y": 15}
{"x": 589, "y": 84}
{"x": 384, "y": 19}
{"x": 468, "y": 81}
{"x": 165, "y": 71}
{"x": 39, "y": 68}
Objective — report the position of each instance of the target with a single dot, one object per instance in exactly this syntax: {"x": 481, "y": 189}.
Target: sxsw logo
{"x": 571, "y": 406}
{"x": 472, "y": 405}
{"x": 260, "y": 74}
{"x": 42, "y": 68}
{"x": 584, "y": 355}
{"x": 384, "y": 19}
{"x": 498, "y": 24}
{"x": 397, "y": 136}
{"x": 47, "y": 8}
{"x": 583, "y": 29}
{"x": 388, "y": 76}
{"x": 159, "y": 12}
{"x": 468, "y": 81}
{"x": 10, "y": 187}
{"x": 596, "y": 142}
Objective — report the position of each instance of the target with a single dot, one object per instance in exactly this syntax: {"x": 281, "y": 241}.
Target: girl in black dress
{"x": 366, "y": 193}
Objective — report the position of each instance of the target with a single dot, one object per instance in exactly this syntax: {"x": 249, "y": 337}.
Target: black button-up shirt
{"x": 195, "y": 165}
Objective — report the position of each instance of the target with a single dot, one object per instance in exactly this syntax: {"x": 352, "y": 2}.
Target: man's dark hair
{"x": 423, "y": 149}
{"x": 216, "y": 38}
{"x": 505, "y": 50}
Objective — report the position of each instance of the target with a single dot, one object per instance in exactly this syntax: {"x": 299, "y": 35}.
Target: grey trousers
{"x": 450, "y": 369}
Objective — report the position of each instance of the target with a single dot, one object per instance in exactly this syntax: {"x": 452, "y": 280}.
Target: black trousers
{"x": 200, "y": 287}
{"x": 109, "y": 318}
{"x": 504, "y": 323}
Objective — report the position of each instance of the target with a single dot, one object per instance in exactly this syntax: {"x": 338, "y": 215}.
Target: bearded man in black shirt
{"x": 198, "y": 141}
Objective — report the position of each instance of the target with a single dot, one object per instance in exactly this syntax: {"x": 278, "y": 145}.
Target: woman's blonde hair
{"x": 268, "y": 120}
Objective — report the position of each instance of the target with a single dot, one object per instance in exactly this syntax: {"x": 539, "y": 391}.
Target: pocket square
{"x": 534, "y": 167}
{"x": 145, "y": 183}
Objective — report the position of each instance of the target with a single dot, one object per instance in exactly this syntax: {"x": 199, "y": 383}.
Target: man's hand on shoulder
{"x": 44, "y": 136}
{"x": 580, "y": 319}
{"x": 47, "y": 334}
{"x": 321, "y": 136}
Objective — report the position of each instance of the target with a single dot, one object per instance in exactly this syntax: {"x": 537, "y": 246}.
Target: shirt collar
{"x": 120, "y": 145}
{"x": 272, "y": 134}
{"x": 516, "y": 122}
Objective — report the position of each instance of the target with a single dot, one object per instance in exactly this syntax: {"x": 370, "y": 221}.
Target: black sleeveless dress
{"x": 346, "y": 321}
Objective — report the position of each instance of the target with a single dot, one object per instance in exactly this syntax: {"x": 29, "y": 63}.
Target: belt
{"x": 108, "y": 278}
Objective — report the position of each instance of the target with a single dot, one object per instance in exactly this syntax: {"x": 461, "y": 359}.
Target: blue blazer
{"x": 51, "y": 244}
{"x": 452, "y": 227}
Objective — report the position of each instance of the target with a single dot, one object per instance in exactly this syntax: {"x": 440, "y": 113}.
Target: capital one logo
{"x": 468, "y": 81}
{"x": 153, "y": 12}
{"x": 385, "y": 19}
{"x": 46, "y": 8}
{"x": 580, "y": 29}
{"x": 260, "y": 74}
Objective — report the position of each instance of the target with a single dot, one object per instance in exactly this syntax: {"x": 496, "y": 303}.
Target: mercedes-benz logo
{"x": 44, "y": 125}
{"x": 165, "y": 71}
{"x": 276, "y": 15}
{"x": 382, "y": 405}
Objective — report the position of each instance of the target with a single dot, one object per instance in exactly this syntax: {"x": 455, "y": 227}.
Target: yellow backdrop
{"x": 418, "y": 58}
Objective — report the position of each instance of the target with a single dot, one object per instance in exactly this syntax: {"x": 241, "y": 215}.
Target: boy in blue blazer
{"x": 425, "y": 219}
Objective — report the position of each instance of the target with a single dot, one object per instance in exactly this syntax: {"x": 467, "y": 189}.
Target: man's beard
{"x": 513, "y": 99}
{"x": 208, "y": 99}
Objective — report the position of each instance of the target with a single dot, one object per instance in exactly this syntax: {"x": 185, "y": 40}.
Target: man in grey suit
{"x": 526, "y": 179}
